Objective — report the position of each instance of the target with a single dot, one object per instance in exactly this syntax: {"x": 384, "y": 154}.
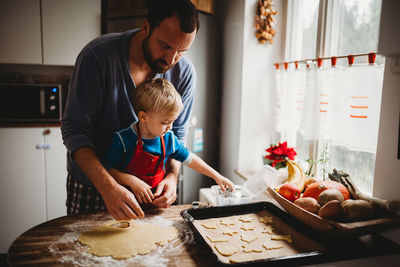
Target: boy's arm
{"x": 200, "y": 166}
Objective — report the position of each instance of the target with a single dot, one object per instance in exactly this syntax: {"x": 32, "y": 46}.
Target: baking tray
{"x": 309, "y": 257}
{"x": 332, "y": 228}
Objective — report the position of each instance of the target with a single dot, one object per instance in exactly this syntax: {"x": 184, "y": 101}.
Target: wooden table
{"x": 55, "y": 243}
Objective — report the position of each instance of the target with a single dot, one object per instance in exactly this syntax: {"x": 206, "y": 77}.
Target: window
{"x": 321, "y": 28}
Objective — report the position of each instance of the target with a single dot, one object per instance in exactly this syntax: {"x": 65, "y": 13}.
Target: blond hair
{"x": 157, "y": 95}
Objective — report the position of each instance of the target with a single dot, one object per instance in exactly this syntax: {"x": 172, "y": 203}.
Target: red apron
{"x": 145, "y": 166}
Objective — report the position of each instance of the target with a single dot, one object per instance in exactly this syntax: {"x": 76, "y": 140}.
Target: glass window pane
{"x": 358, "y": 27}
{"x": 309, "y": 18}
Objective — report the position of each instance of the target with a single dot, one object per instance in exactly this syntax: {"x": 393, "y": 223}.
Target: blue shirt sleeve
{"x": 180, "y": 151}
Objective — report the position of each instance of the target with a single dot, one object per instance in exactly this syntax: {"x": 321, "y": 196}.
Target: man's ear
{"x": 146, "y": 27}
{"x": 142, "y": 116}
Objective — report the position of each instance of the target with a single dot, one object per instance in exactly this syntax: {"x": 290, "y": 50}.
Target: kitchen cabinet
{"x": 49, "y": 32}
{"x": 32, "y": 179}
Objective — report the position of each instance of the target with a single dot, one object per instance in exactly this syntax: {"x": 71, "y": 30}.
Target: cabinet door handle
{"x": 39, "y": 146}
{"x": 46, "y": 132}
{"x": 47, "y": 146}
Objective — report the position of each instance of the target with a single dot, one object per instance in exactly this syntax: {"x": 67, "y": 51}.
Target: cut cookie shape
{"x": 229, "y": 231}
{"x": 227, "y": 222}
{"x": 247, "y": 227}
{"x": 272, "y": 245}
{"x": 248, "y": 238}
{"x": 268, "y": 229}
{"x": 252, "y": 248}
{"x": 214, "y": 239}
{"x": 287, "y": 238}
{"x": 266, "y": 219}
{"x": 226, "y": 250}
{"x": 241, "y": 258}
{"x": 209, "y": 224}
{"x": 245, "y": 219}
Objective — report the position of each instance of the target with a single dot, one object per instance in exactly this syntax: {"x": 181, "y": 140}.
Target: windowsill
{"x": 245, "y": 174}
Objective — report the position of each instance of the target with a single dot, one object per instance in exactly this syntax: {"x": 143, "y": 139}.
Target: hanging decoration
{"x": 264, "y": 21}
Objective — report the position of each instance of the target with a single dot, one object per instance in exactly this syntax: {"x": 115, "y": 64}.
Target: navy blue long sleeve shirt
{"x": 99, "y": 103}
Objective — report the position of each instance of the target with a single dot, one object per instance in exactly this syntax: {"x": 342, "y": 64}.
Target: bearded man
{"x": 106, "y": 73}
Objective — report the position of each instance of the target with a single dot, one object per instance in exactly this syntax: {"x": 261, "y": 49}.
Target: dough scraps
{"x": 123, "y": 243}
{"x": 226, "y": 250}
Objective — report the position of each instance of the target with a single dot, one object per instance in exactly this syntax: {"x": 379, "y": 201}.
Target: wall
{"x": 247, "y": 83}
{"x": 204, "y": 55}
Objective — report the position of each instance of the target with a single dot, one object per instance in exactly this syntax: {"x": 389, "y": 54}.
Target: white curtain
{"x": 336, "y": 104}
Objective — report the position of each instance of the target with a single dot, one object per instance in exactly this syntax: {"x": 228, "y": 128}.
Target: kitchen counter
{"x": 55, "y": 243}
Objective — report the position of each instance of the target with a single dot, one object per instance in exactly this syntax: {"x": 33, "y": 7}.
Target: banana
{"x": 295, "y": 175}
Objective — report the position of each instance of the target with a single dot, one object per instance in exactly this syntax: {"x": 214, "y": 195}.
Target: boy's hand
{"x": 224, "y": 183}
{"x": 141, "y": 190}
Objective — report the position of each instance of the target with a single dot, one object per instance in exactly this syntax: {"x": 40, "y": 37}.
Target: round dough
{"x": 122, "y": 243}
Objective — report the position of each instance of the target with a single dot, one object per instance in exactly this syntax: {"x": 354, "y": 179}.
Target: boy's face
{"x": 156, "y": 124}
{"x": 166, "y": 44}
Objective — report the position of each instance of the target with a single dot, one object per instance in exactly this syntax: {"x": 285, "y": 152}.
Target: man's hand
{"x": 165, "y": 193}
{"x": 121, "y": 203}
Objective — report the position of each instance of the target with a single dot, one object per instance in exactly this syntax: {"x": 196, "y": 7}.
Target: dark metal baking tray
{"x": 224, "y": 211}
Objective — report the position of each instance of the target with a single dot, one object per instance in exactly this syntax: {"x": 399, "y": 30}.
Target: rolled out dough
{"x": 122, "y": 243}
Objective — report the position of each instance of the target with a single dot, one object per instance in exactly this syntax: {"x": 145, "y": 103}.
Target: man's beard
{"x": 157, "y": 65}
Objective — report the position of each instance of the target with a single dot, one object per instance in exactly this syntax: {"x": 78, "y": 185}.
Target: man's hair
{"x": 158, "y": 10}
{"x": 157, "y": 95}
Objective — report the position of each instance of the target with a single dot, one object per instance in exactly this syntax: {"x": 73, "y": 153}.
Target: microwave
{"x": 30, "y": 103}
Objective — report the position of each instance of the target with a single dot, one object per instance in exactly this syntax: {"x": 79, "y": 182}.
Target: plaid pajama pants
{"x": 82, "y": 198}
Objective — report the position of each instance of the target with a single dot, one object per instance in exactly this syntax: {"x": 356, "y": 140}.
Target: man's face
{"x": 166, "y": 44}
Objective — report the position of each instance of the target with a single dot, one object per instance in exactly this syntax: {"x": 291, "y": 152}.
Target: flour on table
{"x": 123, "y": 243}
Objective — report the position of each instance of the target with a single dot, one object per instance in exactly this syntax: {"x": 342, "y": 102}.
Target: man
{"x": 106, "y": 73}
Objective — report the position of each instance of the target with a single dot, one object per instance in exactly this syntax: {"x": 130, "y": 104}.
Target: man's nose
{"x": 171, "y": 57}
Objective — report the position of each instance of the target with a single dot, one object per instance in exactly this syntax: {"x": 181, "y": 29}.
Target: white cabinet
{"x": 50, "y": 32}
{"x": 32, "y": 179}
{"x": 20, "y": 32}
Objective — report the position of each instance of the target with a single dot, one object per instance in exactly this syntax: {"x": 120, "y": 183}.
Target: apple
{"x": 289, "y": 191}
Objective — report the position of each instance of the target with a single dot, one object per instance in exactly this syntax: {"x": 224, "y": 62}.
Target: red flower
{"x": 280, "y": 152}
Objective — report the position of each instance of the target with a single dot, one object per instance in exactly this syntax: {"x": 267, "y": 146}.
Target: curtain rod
{"x": 371, "y": 56}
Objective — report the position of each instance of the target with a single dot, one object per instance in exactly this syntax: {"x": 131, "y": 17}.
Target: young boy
{"x": 142, "y": 149}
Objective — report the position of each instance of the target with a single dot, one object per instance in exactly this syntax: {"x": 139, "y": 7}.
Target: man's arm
{"x": 165, "y": 193}
{"x": 121, "y": 203}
